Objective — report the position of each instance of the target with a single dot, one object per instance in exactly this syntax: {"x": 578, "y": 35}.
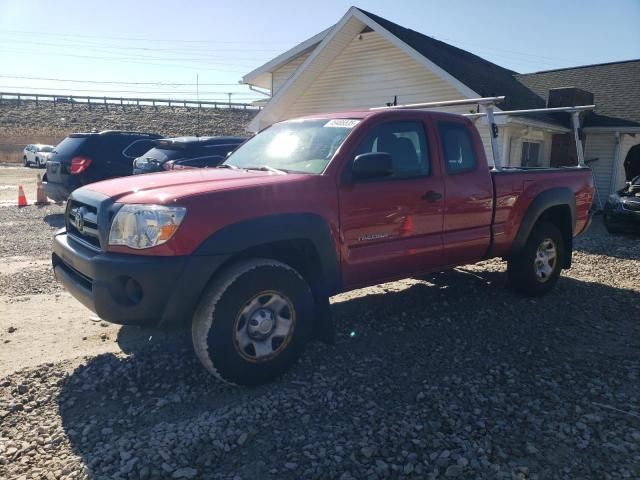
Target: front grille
{"x": 82, "y": 223}
{"x": 633, "y": 206}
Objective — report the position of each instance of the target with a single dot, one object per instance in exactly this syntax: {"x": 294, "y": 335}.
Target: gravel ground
{"x": 27, "y": 231}
{"x": 447, "y": 376}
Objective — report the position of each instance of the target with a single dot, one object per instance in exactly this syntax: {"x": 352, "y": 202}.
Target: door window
{"x": 457, "y": 147}
{"x": 406, "y": 143}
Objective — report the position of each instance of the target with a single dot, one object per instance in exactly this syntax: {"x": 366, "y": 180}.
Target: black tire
{"x": 26, "y": 163}
{"x": 611, "y": 229}
{"x": 219, "y": 325}
{"x": 523, "y": 269}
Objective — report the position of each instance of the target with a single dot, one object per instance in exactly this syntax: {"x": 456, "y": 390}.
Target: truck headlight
{"x": 145, "y": 226}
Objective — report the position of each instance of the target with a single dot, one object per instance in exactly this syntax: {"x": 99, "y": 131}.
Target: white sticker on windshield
{"x": 342, "y": 123}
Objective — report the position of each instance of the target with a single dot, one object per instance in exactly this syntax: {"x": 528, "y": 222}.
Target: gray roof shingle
{"x": 616, "y": 86}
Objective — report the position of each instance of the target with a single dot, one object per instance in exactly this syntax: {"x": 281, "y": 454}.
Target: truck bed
{"x": 516, "y": 187}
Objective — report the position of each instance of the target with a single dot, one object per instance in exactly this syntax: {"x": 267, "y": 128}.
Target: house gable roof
{"x": 471, "y": 75}
{"x": 261, "y": 76}
{"x": 353, "y": 22}
{"x": 615, "y": 87}
{"x": 483, "y": 77}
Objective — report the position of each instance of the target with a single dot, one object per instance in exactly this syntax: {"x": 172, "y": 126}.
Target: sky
{"x": 159, "y": 49}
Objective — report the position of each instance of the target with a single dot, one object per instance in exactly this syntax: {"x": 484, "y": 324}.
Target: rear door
{"x": 392, "y": 226}
{"x": 468, "y": 209}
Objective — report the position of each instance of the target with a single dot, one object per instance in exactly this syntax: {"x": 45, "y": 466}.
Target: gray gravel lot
{"x": 447, "y": 376}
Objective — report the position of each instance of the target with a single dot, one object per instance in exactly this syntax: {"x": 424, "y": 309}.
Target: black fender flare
{"x": 254, "y": 232}
{"x": 553, "y": 197}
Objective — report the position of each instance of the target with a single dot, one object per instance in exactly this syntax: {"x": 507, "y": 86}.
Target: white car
{"x": 36, "y": 154}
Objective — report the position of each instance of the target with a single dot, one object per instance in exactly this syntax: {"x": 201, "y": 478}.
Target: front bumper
{"x": 132, "y": 289}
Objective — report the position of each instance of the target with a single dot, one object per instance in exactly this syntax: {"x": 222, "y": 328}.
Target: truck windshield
{"x": 301, "y": 146}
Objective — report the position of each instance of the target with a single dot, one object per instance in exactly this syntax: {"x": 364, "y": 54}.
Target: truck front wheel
{"x": 535, "y": 270}
{"x": 253, "y": 321}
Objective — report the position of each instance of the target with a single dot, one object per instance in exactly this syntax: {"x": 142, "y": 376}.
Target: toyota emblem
{"x": 79, "y": 219}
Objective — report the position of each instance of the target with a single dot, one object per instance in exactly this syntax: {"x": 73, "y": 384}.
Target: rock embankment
{"x": 27, "y": 122}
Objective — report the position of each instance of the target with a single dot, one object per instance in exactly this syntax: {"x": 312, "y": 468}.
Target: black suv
{"x": 186, "y": 152}
{"x": 84, "y": 158}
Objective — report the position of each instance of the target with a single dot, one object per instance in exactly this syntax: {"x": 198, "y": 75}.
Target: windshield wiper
{"x": 227, "y": 165}
{"x": 267, "y": 168}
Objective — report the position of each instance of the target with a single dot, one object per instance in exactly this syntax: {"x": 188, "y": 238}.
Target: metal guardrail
{"x": 80, "y": 100}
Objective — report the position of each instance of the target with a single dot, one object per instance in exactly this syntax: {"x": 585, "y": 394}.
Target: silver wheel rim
{"x": 264, "y": 326}
{"x": 545, "y": 261}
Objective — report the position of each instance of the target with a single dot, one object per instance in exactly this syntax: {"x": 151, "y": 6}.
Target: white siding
{"x": 367, "y": 73}
{"x": 283, "y": 73}
{"x": 602, "y": 147}
{"x": 366, "y": 70}
{"x": 370, "y": 72}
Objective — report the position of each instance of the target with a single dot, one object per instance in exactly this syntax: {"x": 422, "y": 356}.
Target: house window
{"x": 531, "y": 154}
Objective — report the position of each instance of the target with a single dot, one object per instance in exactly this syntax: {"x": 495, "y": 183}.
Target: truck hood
{"x": 168, "y": 187}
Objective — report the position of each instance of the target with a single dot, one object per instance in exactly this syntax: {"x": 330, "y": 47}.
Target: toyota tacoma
{"x": 250, "y": 252}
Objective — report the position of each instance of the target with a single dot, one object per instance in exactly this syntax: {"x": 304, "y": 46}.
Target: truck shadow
{"x": 456, "y": 338}
{"x": 55, "y": 220}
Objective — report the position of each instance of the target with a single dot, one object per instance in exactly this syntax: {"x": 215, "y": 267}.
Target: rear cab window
{"x": 457, "y": 147}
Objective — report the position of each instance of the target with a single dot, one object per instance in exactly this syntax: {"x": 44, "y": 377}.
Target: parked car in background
{"x": 186, "y": 152}
{"x": 36, "y": 154}
{"x": 622, "y": 211}
{"x": 84, "y": 158}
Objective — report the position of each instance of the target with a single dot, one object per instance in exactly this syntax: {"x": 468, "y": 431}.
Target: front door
{"x": 392, "y": 226}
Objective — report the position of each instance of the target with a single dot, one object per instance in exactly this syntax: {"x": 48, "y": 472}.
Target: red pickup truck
{"x": 250, "y": 252}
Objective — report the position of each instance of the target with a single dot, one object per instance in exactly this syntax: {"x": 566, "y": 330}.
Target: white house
{"x": 367, "y": 61}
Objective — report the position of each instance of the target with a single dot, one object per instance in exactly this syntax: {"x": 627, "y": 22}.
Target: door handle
{"x": 431, "y": 196}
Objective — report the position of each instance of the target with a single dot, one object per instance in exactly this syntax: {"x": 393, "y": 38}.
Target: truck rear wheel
{"x": 253, "y": 321}
{"x": 536, "y": 269}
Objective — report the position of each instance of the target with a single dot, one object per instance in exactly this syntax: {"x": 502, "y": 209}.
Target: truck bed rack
{"x": 488, "y": 103}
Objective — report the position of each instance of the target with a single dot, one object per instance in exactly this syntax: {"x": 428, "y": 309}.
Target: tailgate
{"x": 54, "y": 171}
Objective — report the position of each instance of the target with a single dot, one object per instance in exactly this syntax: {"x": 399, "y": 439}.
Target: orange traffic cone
{"x": 22, "y": 199}
{"x": 41, "y": 198}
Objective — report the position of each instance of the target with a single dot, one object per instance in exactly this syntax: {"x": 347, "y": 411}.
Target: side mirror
{"x": 372, "y": 165}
